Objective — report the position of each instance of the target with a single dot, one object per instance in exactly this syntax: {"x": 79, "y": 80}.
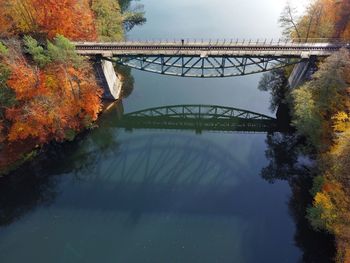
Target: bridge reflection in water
{"x": 176, "y": 173}
{"x": 181, "y": 173}
{"x": 160, "y": 173}
{"x": 199, "y": 118}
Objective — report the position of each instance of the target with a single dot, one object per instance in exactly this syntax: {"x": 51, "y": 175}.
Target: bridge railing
{"x": 214, "y": 42}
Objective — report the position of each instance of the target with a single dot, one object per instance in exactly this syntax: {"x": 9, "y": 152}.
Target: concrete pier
{"x": 108, "y": 79}
{"x": 301, "y": 72}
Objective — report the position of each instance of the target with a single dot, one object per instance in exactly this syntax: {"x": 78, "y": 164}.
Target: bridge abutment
{"x": 108, "y": 79}
{"x": 301, "y": 72}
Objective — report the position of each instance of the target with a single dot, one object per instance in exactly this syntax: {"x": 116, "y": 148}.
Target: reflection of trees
{"x": 127, "y": 79}
{"x": 35, "y": 183}
{"x": 283, "y": 155}
{"x": 25, "y": 190}
{"x": 276, "y": 83}
{"x": 287, "y": 163}
{"x": 316, "y": 246}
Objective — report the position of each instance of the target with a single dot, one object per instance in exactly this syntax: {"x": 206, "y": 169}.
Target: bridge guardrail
{"x": 239, "y": 41}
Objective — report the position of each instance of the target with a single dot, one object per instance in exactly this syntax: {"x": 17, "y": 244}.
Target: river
{"x": 160, "y": 195}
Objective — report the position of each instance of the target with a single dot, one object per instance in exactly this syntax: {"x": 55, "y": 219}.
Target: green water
{"x": 159, "y": 195}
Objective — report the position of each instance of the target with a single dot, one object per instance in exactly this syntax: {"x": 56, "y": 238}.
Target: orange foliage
{"x": 71, "y": 18}
{"x": 342, "y": 24}
{"x": 325, "y": 19}
{"x": 51, "y": 101}
{"x": 23, "y": 79}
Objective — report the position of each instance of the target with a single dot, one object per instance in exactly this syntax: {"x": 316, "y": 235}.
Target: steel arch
{"x": 199, "y": 111}
{"x": 204, "y": 66}
{"x": 198, "y": 118}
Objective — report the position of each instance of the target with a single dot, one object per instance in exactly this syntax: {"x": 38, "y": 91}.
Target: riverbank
{"x": 49, "y": 93}
{"x": 320, "y": 111}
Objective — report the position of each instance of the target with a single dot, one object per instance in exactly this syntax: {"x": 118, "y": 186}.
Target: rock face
{"x": 108, "y": 79}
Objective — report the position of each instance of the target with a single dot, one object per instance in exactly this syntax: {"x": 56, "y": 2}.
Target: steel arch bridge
{"x": 210, "y": 59}
{"x": 198, "y": 118}
{"x": 204, "y": 66}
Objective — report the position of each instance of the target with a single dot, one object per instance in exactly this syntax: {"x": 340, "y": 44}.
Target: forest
{"x": 320, "y": 113}
{"x": 47, "y": 92}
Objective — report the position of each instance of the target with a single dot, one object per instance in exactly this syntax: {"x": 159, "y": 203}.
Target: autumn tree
{"x": 317, "y": 101}
{"x": 319, "y": 20}
{"x": 108, "y": 19}
{"x": 288, "y": 21}
{"x": 72, "y": 18}
{"x": 51, "y": 101}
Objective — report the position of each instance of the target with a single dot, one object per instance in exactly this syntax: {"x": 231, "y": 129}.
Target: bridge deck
{"x": 207, "y": 59}
{"x": 278, "y": 49}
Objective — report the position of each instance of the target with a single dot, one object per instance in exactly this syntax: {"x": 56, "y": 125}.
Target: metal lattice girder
{"x": 196, "y": 111}
{"x": 204, "y": 67}
{"x": 198, "y": 117}
{"x": 208, "y": 59}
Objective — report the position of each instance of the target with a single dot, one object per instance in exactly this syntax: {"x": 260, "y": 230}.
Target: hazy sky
{"x": 299, "y": 4}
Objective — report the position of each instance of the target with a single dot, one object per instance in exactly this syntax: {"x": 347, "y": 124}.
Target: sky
{"x": 299, "y": 4}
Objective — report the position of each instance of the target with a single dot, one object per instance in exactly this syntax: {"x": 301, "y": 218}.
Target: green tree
{"x": 3, "y": 49}
{"x": 306, "y": 117}
{"x": 131, "y": 19}
{"x": 60, "y": 50}
{"x": 63, "y": 51}
{"x": 38, "y": 53}
{"x": 7, "y": 95}
{"x": 108, "y": 19}
{"x": 317, "y": 101}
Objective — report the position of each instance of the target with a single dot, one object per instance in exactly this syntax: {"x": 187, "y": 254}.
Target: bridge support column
{"x": 108, "y": 79}
{"x": 301, "y": 72}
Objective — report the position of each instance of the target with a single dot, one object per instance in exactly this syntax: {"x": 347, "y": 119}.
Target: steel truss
{"x": 199, "y": 111}
{"x": 198, "y": 118}
{"x": 204, "y": 66}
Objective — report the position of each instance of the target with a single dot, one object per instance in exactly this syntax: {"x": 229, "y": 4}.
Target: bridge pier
{"x": 301, "y": 72}
{"x": 108, "y": 79}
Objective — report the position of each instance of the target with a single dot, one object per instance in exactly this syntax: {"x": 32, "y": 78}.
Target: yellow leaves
{"x": 323, "y": 200}
{"x": 341, "y": 121}
{"x": 328, "y": 214}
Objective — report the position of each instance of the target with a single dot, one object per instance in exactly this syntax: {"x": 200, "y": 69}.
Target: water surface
{"x": 160, "y": 195}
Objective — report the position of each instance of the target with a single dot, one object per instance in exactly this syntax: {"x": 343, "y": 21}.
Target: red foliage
{"x": 71, "y": 18}
{"x": 51, "y": 101}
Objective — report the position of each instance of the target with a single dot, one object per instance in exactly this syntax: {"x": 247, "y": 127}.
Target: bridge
{"x": 198, "y": 118}
{"x": 208, "y": 59}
